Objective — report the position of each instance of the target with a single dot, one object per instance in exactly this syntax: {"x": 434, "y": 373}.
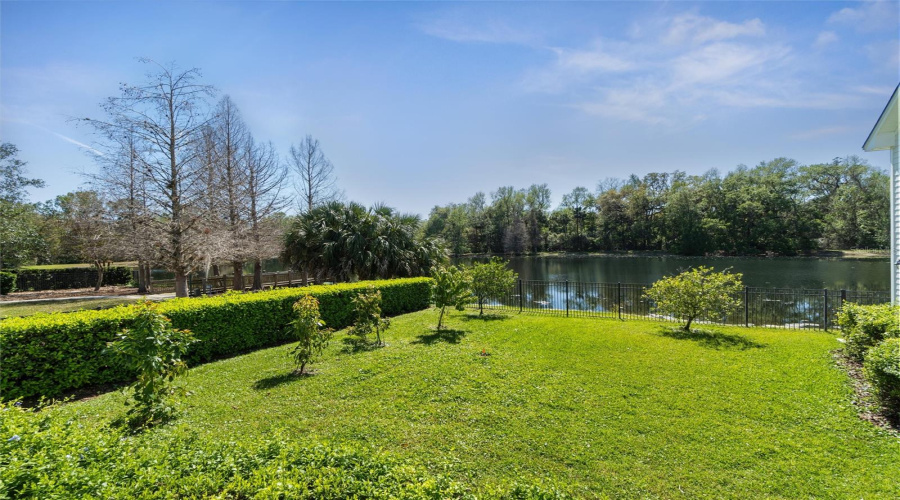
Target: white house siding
{"x": 895, "y": 223}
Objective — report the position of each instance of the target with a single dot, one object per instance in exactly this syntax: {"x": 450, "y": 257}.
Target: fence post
{"x": 825, "y": 307}
{"x": 843, "y": 298}
{"x": 619, "y": 299}
{"x": 521, "y": 298}
{"x": 567, "y": 298}
{"x": 746, "y": 306}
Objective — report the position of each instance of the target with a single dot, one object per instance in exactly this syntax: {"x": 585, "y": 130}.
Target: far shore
{"x": 865, "y": 254}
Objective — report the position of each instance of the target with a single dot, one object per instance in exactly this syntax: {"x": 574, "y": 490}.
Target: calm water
{"x": 848, "y": 274}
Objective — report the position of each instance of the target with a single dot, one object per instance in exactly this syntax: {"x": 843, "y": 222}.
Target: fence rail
{"x": 772, "y": 307}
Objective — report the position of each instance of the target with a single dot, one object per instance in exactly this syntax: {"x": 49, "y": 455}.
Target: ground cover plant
{"x": 593, "y": 407}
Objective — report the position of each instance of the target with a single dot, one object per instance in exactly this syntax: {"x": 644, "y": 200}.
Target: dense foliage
{"x": 778, "y": 206}
{"x": 697, "y": 293}
{"x": 348, "y": 241}
{"x": 882, "y": 370}
{"x": 153, "y": 350}
{"x": 490, "y": 280}
{"x": 7, "y": 282}
{"x": 49, "y": 354}
{"x": 452, "y": 288}
{"x": 309, "y": 330}
{"x": 865, "y": 327}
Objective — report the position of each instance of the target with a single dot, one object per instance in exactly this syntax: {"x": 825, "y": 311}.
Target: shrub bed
{"x": 882, "y": 370}
{"x": 47, "y": 355}
{"x": 73, "y": 277}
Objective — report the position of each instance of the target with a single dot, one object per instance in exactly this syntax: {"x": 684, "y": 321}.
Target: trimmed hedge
{"x": 7, "y": 282}
{"x": 72, "y": 277}
{"x": 47, "y": 355}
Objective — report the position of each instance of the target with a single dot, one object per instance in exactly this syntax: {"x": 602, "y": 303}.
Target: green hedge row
{"x": 71, "y": 277}
{"x": 47, "y": 355}
{"x": 872, "y": 336}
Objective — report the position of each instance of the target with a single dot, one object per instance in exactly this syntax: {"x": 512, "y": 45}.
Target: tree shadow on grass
{"x": 353, "y": 345}
{"x": 444, "y": 335}
{"x": 485, "y": 317}
{"x": 712, "y": 339}
{"x": 276, "y": 380}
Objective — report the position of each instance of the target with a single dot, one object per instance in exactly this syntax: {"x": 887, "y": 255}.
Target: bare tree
{"x": 232, "y": 165}
{"x": 316, "y": 182}
{"x": 265, "y": 179}
{"x": 166, "y": 115}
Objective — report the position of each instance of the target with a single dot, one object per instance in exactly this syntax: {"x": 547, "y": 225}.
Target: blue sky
{"x": 419, "y": 104}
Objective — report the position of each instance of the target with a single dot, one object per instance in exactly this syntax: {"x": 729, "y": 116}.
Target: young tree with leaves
{"x": 309, "y": 330}
{"x": 367, "y": 309}
{"x": 451, "y": 288}
{"x": 491, "y": 280}
{"x": 697, "y": 293}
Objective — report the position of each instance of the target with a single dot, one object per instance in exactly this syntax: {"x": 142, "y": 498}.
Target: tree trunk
{"x": 305, "y": 275}
{"x": 237, "y": 282}
{"x": 215, "y": 269}
{"x": 141, "y": 277}
{"x": 257, "y": 275}
{"x": 687, "y": 327}
{"x": 99, "y": 266}
{"x": 441, "y": 318}
{"x": 181, "y": 283}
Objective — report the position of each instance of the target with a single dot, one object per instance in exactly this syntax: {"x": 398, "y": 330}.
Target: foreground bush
{"x": 44, "y": 456}
{"x": 46, "y": 355}
{"x": 882, "y": 371}
{"x": 865, "y": 327}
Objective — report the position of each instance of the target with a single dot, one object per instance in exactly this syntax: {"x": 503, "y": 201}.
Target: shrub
{"x": 866, "y": 326}
{"x": 152, "y": 349}
{"x": 7, "y": 282}
{"x": 491, "y": 280}
{"x": 451, "y": 288}
{"x": 367, "y": 309}
{"x": 697, "y": 293}
{"x": 882, "y": 370}
{"x": 54, "y": 353}
{"x": 308, "y": 328}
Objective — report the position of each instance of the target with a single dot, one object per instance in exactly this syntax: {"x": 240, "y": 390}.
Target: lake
{"x": 775, "y": 272}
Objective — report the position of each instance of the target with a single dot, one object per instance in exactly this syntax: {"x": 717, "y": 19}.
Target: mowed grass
{"x": 596, "y": 407}
{"x": 50, "y": 306}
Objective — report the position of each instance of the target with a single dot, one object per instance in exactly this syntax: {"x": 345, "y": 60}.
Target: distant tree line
{"x": 776, "y": 207}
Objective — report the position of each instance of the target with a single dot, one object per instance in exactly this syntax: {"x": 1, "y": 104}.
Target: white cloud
{"x": 591, "y": 60}
{"x": 869, "y": 16}
{"x": 825, "y": 38}
{"x": 700, "y": 29}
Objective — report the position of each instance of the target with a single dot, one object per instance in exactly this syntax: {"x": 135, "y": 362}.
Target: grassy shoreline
{"x": 600, "y": 406}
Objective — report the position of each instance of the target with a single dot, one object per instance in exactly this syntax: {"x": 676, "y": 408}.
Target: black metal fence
{"x": 771, "y": 307}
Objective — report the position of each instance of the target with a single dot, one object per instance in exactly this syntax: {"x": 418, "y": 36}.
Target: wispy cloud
{"x": 697, "y": 29}
{"x": 868, "y": 17}
{"x": 825, "y": 38}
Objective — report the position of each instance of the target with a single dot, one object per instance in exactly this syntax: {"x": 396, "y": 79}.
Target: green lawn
{"x": 595, "y": 406}
{"x": 50, "y": 306}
